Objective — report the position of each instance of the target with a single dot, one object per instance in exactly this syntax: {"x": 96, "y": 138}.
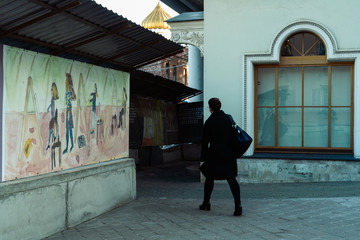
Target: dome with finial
{"x": 156, "y": 19}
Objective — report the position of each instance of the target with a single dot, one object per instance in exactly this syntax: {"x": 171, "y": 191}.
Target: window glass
{"x": 313, "y": 46}
{"x": 266, "y": 127}
{"x": 296, "y": 44}
{"x": 290, "y": 86}
{"x": 303, "y": 44}
{"x": 289, "y": 127}
{"x": 316, "y": 88}
{"x": 340, "y": 127}
{"x": 316, "y": 127}
{"x": 266, "y": 87}
{"x": 316, "y": 50}
{"x": 304, "y": 101}
{"x": 341, "y": 86}
{"x": 309, "y": 40}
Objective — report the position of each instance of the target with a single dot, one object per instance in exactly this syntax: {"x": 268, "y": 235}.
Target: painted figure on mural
{"x": 69, "y": 117}
{"x": 93, "y": 95}
{"x": 53, "y": 125}
{"x": 122, "y": 118}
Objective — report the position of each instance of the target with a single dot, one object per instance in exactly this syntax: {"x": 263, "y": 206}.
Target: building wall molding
{"x": 195, "y": 38}
{"x": 188, "y": 32}
{"x": 273, "y": 57}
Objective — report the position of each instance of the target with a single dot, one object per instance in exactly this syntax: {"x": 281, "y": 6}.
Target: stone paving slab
{"x": 167, "y": 208}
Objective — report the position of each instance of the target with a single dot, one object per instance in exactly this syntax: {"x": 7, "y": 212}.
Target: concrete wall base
{"x": 37, "y": 207}
{"x": 252, "y": 170}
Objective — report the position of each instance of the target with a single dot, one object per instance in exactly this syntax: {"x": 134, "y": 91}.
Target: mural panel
{"x": 60, "y": 113}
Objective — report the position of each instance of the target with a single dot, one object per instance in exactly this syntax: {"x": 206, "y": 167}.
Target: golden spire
{"x": 155, "y": 20}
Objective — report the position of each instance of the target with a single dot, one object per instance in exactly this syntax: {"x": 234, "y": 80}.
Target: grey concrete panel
{"x": 39, "y": 212}
{"x": 252, "y": 170}
{"x": 96, "y": 194}
{"x": 37, "y": 207}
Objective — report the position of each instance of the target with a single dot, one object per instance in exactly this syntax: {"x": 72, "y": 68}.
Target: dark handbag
{"x": 241, "y": 140}
{"x": 205, "y": 170}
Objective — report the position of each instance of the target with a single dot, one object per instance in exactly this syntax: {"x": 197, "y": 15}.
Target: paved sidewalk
{"x": 167, "y": 208}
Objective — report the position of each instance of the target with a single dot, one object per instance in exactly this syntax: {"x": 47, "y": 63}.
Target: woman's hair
{"x": 214, "y": 104}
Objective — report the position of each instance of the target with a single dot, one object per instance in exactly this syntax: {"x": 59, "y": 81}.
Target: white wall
{"x": 234, "y": 28}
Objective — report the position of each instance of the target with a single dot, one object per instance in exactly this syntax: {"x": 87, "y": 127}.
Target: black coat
{"x": 216, "y": 148}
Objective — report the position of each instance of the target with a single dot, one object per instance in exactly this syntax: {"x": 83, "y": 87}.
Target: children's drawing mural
{"x": 61, "y": 113}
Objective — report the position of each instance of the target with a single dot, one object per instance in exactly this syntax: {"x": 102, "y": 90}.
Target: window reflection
{"x": 304, "y": 102}
{"x": 266, "y": 127}
{"x": 303, "y": 44}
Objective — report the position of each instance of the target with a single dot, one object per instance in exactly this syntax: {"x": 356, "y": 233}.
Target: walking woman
{"x": 217, "y": 155}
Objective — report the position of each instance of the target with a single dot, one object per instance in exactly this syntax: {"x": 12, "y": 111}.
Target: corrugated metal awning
{"x": 83, "y": 31}
{"x": 147, "y": 85}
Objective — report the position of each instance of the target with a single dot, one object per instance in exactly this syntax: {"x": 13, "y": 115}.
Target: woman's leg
{"x": 235, "y": 190}
{"x": 208, "y": 188}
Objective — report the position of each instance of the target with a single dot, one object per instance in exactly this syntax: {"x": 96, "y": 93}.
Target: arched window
{"x": 304, "y": 103}
{"x": 305, "y": 48}
{"x": 303, "y": 44}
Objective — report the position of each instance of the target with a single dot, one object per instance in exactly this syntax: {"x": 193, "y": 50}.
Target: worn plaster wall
{"x": 37, "y": 207}
{"x": 252, "y": 170}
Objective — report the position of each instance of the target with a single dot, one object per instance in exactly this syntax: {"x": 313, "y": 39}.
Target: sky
{"x": 134, "y": 10}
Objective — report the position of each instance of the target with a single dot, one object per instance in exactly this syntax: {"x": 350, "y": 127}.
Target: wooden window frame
{"x": 302, "y": 149}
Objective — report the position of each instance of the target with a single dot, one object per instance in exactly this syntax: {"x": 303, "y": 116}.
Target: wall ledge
{"x": 54, "y": 178}
{"x": 40, "y": 206}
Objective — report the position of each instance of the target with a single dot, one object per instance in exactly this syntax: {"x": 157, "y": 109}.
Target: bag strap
{"x": 233, "y": 124}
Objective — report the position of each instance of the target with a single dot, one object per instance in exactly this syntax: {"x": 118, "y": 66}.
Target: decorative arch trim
{"x": 273, "y": 57}
{"x": 195, "y": 38}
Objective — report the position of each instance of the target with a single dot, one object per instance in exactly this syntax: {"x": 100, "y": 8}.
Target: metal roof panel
{"x": 80, "y": 30}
